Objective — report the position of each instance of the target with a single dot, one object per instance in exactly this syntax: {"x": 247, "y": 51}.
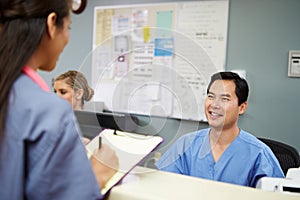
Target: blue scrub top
{"x": 42, "y": 155}
{"x": 244, "y": 161}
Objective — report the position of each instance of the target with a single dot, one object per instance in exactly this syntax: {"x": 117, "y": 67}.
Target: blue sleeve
{"x": 266, "y": 165}
{"x": 176, "y": 158}
{"x": 60, "y": 169}
{"x": 169, "y": 161}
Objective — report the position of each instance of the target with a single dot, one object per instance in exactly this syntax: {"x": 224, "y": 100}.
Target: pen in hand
{"x": 100, "y": 142}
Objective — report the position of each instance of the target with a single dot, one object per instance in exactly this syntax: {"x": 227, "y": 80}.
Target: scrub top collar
{"x": 31, "y": 73}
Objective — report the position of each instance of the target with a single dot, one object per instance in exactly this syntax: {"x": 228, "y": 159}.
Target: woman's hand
{"x": 85, "y": 140}
{"x": 105, "y": 164}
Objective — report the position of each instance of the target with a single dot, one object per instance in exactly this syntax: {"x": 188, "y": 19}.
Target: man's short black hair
{"x": 241, "y": 85}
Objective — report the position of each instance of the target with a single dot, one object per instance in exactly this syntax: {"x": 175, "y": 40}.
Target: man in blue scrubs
{"x": 223, "y": 152}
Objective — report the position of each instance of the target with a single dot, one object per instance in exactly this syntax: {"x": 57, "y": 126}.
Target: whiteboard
{"x": 157, "y": 59}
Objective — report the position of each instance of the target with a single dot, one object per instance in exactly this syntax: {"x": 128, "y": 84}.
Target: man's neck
{"x": 220, "y": 140}
{"x": 223, "y": 136}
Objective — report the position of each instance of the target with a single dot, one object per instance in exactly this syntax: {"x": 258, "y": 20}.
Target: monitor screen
{"x": 91, "y": 123}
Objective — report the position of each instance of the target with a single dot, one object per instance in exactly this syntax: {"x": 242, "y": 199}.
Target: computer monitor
{"x": 91, "y": 123}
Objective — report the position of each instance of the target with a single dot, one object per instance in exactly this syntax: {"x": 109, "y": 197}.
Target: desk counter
{"x": 145, "y": 183}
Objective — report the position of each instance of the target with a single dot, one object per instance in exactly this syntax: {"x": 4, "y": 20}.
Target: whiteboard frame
{"x": 165, "y": 4}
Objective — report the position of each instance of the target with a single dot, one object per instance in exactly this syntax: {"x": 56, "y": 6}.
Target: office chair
{"x": 287, "y": 155}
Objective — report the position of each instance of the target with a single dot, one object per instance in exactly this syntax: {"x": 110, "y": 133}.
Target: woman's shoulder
{"x": 29, "y": 95}
{"x": 29, "y": 101}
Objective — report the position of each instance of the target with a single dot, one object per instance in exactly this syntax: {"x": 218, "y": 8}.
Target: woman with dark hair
{"x": 41, "y": 153}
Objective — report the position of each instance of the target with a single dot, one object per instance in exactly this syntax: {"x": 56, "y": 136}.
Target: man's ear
{"x": 243, "y": 107}
{"x": 51, "y": 24}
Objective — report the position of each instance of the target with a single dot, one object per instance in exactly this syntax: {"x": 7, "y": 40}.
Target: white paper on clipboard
{"x": 130, "y": 148}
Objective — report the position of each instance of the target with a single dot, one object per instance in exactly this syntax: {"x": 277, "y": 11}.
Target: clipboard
{"x": 130, "y": 148}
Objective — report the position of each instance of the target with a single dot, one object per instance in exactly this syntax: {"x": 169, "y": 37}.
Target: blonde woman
{"x": 73, "y": 87}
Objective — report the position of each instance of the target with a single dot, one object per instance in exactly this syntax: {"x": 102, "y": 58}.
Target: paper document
{"x": 130, "y": 149}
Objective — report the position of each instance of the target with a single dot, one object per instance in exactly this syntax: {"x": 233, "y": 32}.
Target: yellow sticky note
{"x": 146, "y": 33}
